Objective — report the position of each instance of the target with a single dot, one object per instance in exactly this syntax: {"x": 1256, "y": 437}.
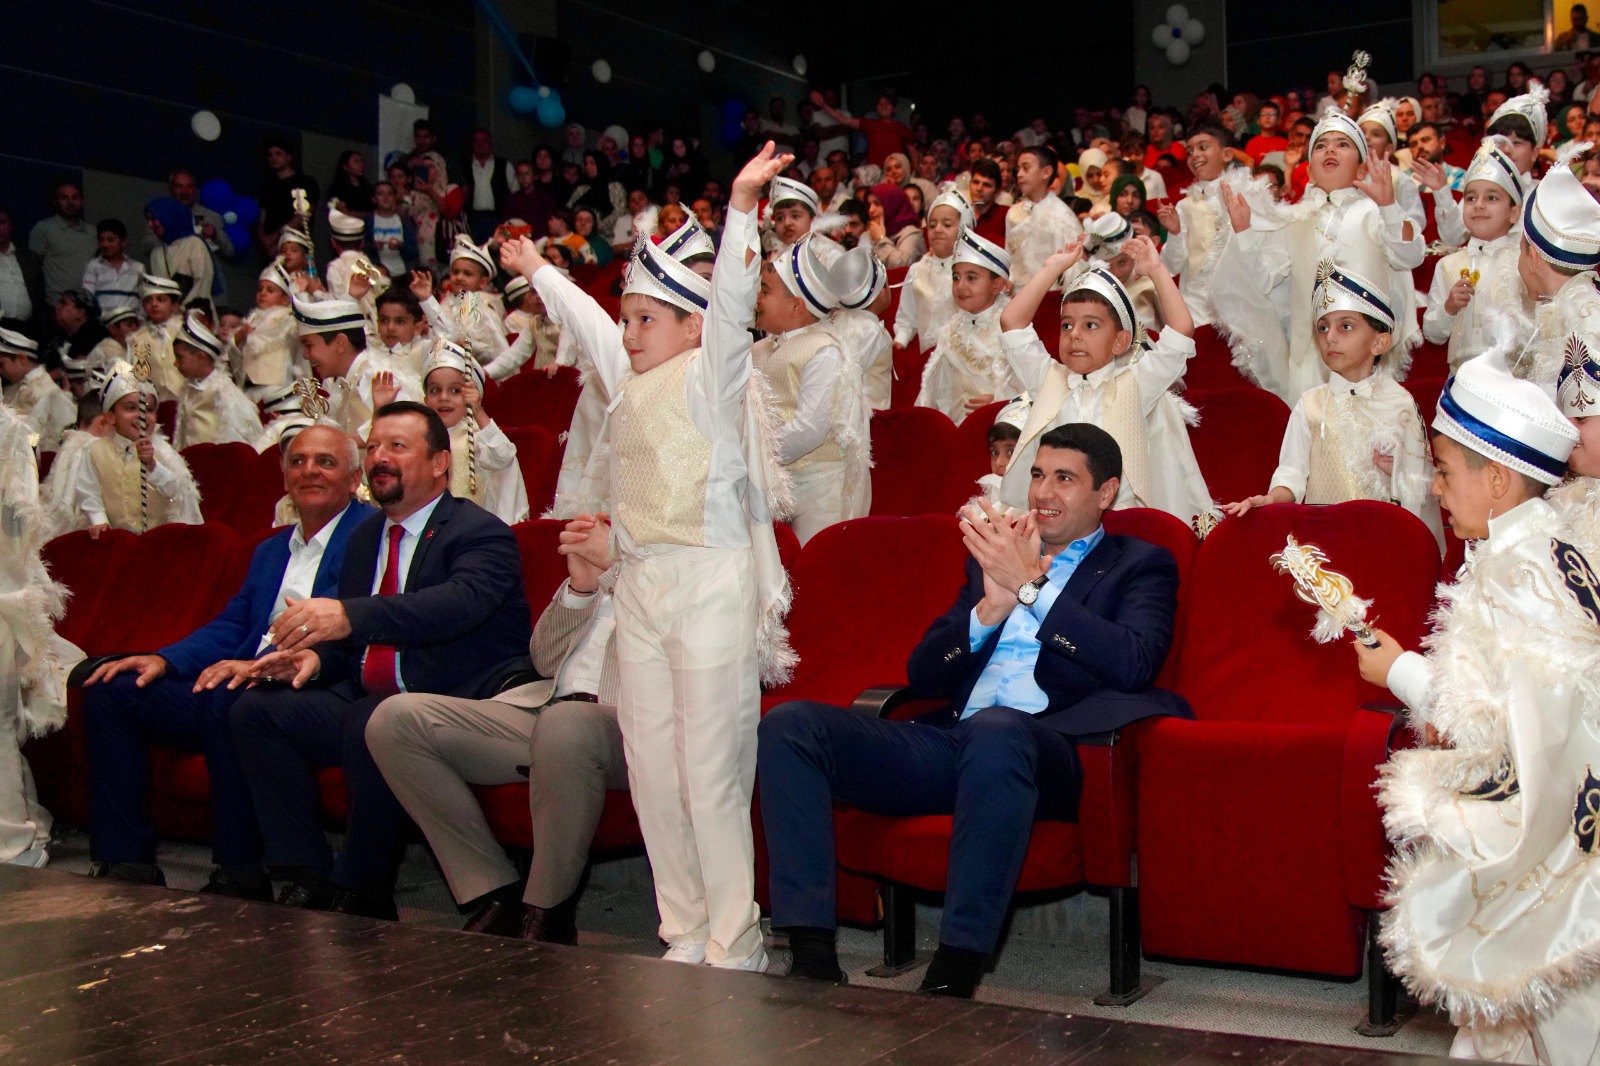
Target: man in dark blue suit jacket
{"x": 180, "y": 696}
{"x": 453, "y": 621}
{"x": 1058, "y": 634}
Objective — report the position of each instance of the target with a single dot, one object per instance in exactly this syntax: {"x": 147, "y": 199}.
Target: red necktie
{"x": 378, "y": 675}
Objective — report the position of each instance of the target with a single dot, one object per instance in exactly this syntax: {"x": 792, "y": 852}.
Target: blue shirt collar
{"x": 1067, "y": 560}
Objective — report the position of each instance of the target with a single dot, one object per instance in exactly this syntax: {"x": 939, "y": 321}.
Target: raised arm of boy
{"x": 576, "y": 309}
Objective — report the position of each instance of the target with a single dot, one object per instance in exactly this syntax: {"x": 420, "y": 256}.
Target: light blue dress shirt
{"x": 1007, "y": 681}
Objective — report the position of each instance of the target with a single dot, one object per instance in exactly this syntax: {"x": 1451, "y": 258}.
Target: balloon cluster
{"x": 1178, "y": 35}
{"x": 544, "y": 103}
{"x": 238, "y": 213}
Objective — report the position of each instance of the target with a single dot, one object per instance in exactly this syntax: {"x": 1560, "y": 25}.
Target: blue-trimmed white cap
{"x": 1512, "y": 421}
{"x": 117, "y": 314}
{"x": 281, "y": 400}
{"x": 787, "y": 190}
{"x": 464, "y": 248}
{"x": 1105, "y": 236}
{"x": 14, "y": 343}
{"x": 804, "y": 270}
{"x": 278, "y": 276}
{"x": 953, "y": 199}
{"x": 1335, "y": 121}
{"x": 1561, "y": 219}
{"x": 292, "y": 235}
{"x": 345, "y": 227}
{"x": 119, "y": 381}
{"x": 447, "y": 355}
{"x": 689, "y": 239}
{"x": 1341, "y": 288}
{"x": 194, "y": 332}
{"x": 1578, "y": 386}
{"x": 516, "y": 289}
{"x": 1102, "y": 282}
{"x": 1382, "y": 113}
{"x": 156, "y": 285}
{"x": 979, "y": 250}
{"x": 857, "y": 277}
{"x": 1531, "y": 106}
{"x": 327, "y": 316}
{"x": 654, "y": 273}
{"x": 1491, "y": 163}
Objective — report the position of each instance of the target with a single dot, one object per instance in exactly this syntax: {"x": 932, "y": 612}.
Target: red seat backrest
{"x": 171, "y": 581}
{"x": 1047, "y": 323}
{"x": 972, "y": 440}
{"x": 1238, "y": 439}
{"x": 897, "y": 278}
{"x": 1164, "y": 531}
{"x": 914, "y": 468}
{"x": 1246, "y": 650}
{"x": 1211, "y": 366}
{"x": 86, "y": 567}
{"x": 908, "y": 365}
{"x": 848, "y": 642}
{"x": 539, "y": 457}
{"x": 1426, "y": 392}
{"x": 221, "y": 471}
{"x": 530, "y": 398}
{"x": 543, "y": 568}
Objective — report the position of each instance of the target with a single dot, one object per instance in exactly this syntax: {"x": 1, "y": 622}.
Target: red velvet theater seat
{"x": 914, "y": 468}
{"x": 85, "y": 565}
{"x": 539, "y": 458}
{"x": 1260, "y": 841}
{"x": 909, "y": 363}
{"x": 1212, "y": 367}
{"x": 530, "y": 398}
{"x": 972, "y": 442}
{"x": 1098, "y": 848}
{"x": 221, "y": 471}
{"x": 1238, "y": 439}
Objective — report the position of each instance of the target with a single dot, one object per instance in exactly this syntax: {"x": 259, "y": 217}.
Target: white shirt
{"x": 113, "y": 287}
{"x": 389, "y": 228}
{"x": 926, "y": 302}
{"x": 483, "y": 185}
{"x": 580, "y": 671}
{"x": 1155, "y": 186}
{"x": 409, "y": 540}
{"x": 300, "y": 575}
{"x": 14, "y": 299}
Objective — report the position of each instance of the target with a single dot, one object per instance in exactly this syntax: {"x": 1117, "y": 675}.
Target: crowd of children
{"x": 738, "y": 384}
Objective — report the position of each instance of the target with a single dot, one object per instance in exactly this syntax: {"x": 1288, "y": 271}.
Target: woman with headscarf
{"x": 443, "y": 214}
{"x": 1127, "y": 195}
{"x": 684, "y": 167}
{"x": 583, "y": 224}
{"x": 181, "y": 254}
{"x": 1095, "y": 188}
{"x": 598, "y": 192}
{"x": 893, "y": 227}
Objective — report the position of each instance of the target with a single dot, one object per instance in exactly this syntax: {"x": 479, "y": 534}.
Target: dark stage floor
{"x": 95, "y": 971}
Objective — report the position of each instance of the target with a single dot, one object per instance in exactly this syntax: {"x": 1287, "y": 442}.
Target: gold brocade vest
{"x": 1121, "y": 415}
{"x": 155, "y": 344}
{"x": 117, "y": 470}
{"x": 354, "y": 410}
{"x": 782, "y": 363}
{"x": 1329, "y": 478}
{"x": 268, "y": 353}
{"x": 464, "y": 465}
{"x": 1200, "y": 230}
{"x": 199, "y": 421}
{"x": 660, "y": 460}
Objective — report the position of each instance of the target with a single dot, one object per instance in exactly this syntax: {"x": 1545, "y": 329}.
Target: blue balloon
{"x": 524, "y": 100}
{"x": 248, "y": 208}
{"x": 239, "y": 234}
{"x": 551, "y": 113}
{"x": 218, "y": 195}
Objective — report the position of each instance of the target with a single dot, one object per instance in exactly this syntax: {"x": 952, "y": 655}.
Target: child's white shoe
{"x": 693, "y": 954}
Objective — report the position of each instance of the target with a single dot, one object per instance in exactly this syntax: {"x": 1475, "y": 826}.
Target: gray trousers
{"x": 431, "y": 748}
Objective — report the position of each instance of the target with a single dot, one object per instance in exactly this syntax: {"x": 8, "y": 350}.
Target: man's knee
{"x": 397, "y": 720}
{"x": 570, "y": 733}
{"x": 792, "y": 723}
{"x": 252, "y": 715}
{"x": 999, "y": 737}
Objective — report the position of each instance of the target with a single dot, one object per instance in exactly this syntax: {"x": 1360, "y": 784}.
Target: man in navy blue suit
{"x": 180, "y": 696}
{"x": 1058, "y": 634}
{"x": 430, "y": 600}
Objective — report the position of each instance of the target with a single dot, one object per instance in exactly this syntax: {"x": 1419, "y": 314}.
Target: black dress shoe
{"x": 135, "y": 873}
{"x": 364, "y": 906}
{"x": 953, "y": 972}
{"x": 552, "y": 925}
{"x": 222, "y": 883}
{"x": 497, "y": 918}
{"x": 305, "y": 898}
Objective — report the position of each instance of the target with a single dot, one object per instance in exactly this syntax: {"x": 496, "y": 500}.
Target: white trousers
{"x": 23, "y": 823}
{"x": 688, "y": 706}
{"x": 1567, "y": 1035}
{"x": 818, "y": 499}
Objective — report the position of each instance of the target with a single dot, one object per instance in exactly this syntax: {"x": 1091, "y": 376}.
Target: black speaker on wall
{"x": 551, "y": 59}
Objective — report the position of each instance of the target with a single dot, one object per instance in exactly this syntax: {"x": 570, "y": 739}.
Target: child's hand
{"x": 470, "y": 395}
{"x": 1375, "y": 662}
{"x": 145, "y": 448}
{"x": 1064, "y": 257}
{"x": 384, "y": 390}
{"x": 976, "y": 402}
{"x": 360, "y": 285}
{"x": 1146, "y": 258}
{"x": 1167, "y": 215}
{"x": 1460, "y": 295}
{"x": 1379, "y": 185}
{"x": 767, "y": 164}
{"x": 97, "y": 529}
{"x": 1238, "y": 209}
{"x": 899, "y": 347}
{"x": 242, "y": 334}
{"x": 1383, "y": 461}
{"x": 550, "y": 371}
{"x": 521, "y": 256}
{"x": 1429, "y": 175}
{"x": 421, "y": 285}
{"x": 1244, "y": 506}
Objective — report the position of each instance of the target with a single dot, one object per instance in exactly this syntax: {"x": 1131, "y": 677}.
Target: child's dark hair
{"x": 854, "y": 209}
{"x": 1271, "y": 170}
{"x": 1045, "y": 155}
{"x": 1089, "y": 296}
{"x": 395, "y": 294}
{"x": 224, "y": 310}
{"x": 113, "y": 226}
{"x": 1213, "y": 130}
{"x": 677, "y": 312}
{"x": 1516, "y": 126}
{"x": 1003, "y": 431}
{"x": 988, "y": 168}
{"x": 1080, "y": 205}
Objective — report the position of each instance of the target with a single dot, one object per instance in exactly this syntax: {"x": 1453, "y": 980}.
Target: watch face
{"x": 1027, "y": 594}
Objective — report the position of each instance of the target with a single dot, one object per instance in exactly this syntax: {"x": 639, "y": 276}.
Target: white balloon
{"x": 1161, "y": 36}
{"x": 206, "y": 125}
{"x": 800, "y": 65}
{"x": 601, "y": 71}
{"x": 1194, "y": 31}
{"x": 229, "y": 217}
{"x": 1177, "y": 15}
{"x": 1178, "y": 53}
{"x": 544, "y": 92}
{"x": 706, "y": 61}
{"x": 403, "y": 93}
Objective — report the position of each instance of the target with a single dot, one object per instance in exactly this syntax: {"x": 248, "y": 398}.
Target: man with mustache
{"x": 430, "y": 599}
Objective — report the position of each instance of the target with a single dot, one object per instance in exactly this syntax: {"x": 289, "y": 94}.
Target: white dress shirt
{"x": 14, "y": 299}
{"x": 300, "y": 575}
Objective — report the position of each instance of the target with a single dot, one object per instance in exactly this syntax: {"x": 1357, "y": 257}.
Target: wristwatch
{"x": 1028, "y": 594}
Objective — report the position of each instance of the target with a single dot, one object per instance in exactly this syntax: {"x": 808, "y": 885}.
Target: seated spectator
{"x": 181, "y": 254}
{"x": 531, "y": 202}
{"x": 1028, "y": 667}
{"x": 599, "y": 192}
{"x": 180, "y": 696}
{"x": 893, "y": 227}
{"x": 460, "y": 628}
{"x": 112, "y": 279}
{"x": 78, "y": 332}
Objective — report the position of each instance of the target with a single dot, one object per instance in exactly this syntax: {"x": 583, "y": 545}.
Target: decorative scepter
{"x": 313, "y": 404}
{"x": 141, "y": 374}
{"x": 1339, "y": 608}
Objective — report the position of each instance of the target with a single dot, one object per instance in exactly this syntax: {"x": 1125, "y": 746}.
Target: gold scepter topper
{"x": 1340, "y": 610}
{"x": 313, "y": 404}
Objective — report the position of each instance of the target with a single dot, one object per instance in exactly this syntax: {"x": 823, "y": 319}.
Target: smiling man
{"x": 180, "y": 696}
{"x": 1058, "y": 634}
{"x": 429, "y": 600}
